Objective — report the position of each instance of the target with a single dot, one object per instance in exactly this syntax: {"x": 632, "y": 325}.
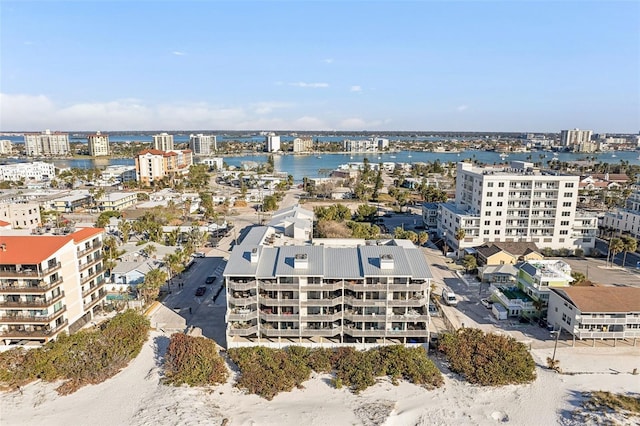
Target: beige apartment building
{"x": 20, "y": 215}
{"x": 49, "y": 284}
{"x": 98, "y": 144}
{"x": 47, "y": 143}
{"x": 153, "y": 165}
{"x": 163, "y": 142}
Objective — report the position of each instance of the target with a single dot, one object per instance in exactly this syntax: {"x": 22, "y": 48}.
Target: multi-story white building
{"x": 49, "y": 284}
{"x": 119, "y": 174}
{"x": 366, "y": 145}
{"x": 596, "y": 312}
{"x": 46, "y": 143}
{"x": 333, "y": 294}
{"x": 203, "y": 144}
{"x": 152, "y": 165}
{"x": 20, "y": 215}
{"x": 163, "y": 142}
{"x": 117, "y": 201}
{"x": 272, "y": 143}
{"x": 625, "y": 220}
{"x": 304, "y": 144}
{"x": 35, "y": 171}
{"x": 6, "y": 147}
{"x": 516, "y": 203}
{"x": 214, "y": 162}
{"x": 575, "y": 137}
{"x": 98, "y": 144}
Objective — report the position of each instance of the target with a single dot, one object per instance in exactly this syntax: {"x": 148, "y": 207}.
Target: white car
{"x": 198, "y": 254}
{"x": 486, "y": 303}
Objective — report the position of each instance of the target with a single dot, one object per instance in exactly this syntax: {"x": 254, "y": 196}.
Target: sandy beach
{"x": 136, "y": 396}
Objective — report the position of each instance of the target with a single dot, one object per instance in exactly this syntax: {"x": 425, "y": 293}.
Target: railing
{"x": 605, "y": 320}
{"x": 43, "y": 333}
{"x": 241, "y": 286}
{"x": 26, "y": 319}
{"x": 323, "y": 332}
{"x": 278, "y": 286}
{"x": 272, "y": 332}
{"x": 90, "y": 249}
{"x": 93, "y": 288}
{"x": 40, "y": 288}
{"x": 245, "y": 316}
{"x": 322, "y": 317}
{"x": 322, "y": 287}
{"x": 407, "y": 287}
{"x": 407, "y": 333}
{"x": 356, "y": 332}
{"x": 94, "y": 261}
{"x": 279, "y": 302}
{"x": 323, "y": 302}
{"x": 602, "y": 334}
{"x": 101, "y": 295}
{"x": 364, "y": 302}
{"x": 29, "y": 272}
{"x": 408, "y": 318}
{"x": 243, "y": 331}
{"x": 90, "y": 277}
{"x": 243, "y": 301}
{"x": 31, "y": 303}
{"x": 365, "y": 317}
{"x": 265, "y": 316}
{"x": 408, "y": 302}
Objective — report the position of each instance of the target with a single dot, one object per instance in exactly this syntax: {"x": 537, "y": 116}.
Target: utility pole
{"x": 555, "y": 346}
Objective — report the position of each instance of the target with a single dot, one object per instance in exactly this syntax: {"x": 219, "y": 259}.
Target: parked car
{"x": 210, "y": 279}
{"x": 198, "y": 254}
{"x": 200, "y": 291}
{"x": 486, "y": 303}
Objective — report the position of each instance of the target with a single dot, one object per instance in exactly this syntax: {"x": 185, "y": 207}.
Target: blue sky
{"x": 328, "y": 65}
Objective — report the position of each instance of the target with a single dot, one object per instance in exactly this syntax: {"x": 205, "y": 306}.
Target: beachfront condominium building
{"x": 163, "y": 142}
{"x": 36, "y": 171}
{"x": 303, "y": 144}
{"x": 515, "y": 203}
{"x": 98, "y": 144}
{"x": 47, "y": 143}
{"x": 49, "y": 284}
{"x": 596, "y": 312}
{"x": 627, "y": 219}
{"x": 339, "y": 293}
{"x": 202, "y": 144}
{"x": 272, "y": 143}
{"x": 366, "y": 145}
{"x": 20, "y": 215}
{"x": 575, "y": 138}
{"x": 154, "y": 165}
{"x": 6, "y": 147}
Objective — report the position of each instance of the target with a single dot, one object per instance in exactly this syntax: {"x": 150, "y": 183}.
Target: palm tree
{"x": 616, "y": 245}
{"x": 423, "y": 237}
{"x": 630, "y": 245}
{"x": 174, "y": 265}
{"x": 459, "y": 235}
{"x": 150, "y": 288}
{"x": 124, "y": 226}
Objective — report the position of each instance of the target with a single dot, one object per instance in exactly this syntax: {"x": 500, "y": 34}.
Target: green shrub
{"x": 194, "y": 361}
{"x": 488, "y": 359}
{"x": 319, "y": 360}
{"x": 86, "y": 357}
{"x": 355, "y": 369}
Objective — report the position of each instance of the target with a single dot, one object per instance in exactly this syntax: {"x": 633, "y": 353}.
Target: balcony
{"x": 358, "y": 332}
{"x": 323, "y": 302}
{"x": 414, "y": 301}
{"x": 101, "y": 295}
{"x": 43, "y": 332}
{"x": 406, "y": 333}
{"x": 242, "y": 301}
{"x": 322, "y": 317}
{"x": 321, "y": 332}
{"x": 241, "y": 315}
{"x": 93, "y": 288}
{"x": 409, "y": 318}
{"x": 90, "y": 249}
{"x": 241, "y": 285}
{"x": 21, "y": 288}
{"x": 94, "y": 261}
{"x": 365, "y": 287}
{"x": 31, "y": 319}
{"x": 266, "y": 315}
{"x": 361, "y": 317}
{"x": 603, "y": 320}
{"x": 349, "y": 300}
{"x": 268, "y": 286}
{"x": 272, "y": 332}
{"x": 237, "y": 330}
{"x": 35, "y": 303}
{"x": 28, "y": 272}
{"x": 407, "y": 287}
{"x": 90, "y": 277}
{"x": 278, "y": 302}
{"x": 323, "y": 286}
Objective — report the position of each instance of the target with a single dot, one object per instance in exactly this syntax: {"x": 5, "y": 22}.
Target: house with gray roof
{"x": 327, "y": 295}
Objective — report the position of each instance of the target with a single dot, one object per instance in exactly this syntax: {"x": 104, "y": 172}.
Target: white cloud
{"x": 328, "y": 61}
{"x": 268, "y": 107}
{"x": 312, "y": 85}
{"x": 360, "y": 124}
{"x": 178, "y": 53}
{"x": 462, "y": 108}
{"x": 356, "y": 89}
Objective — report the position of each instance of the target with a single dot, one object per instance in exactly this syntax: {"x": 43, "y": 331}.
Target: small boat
{"x": 318, "y": 156}
{"x": 409, "y": 155}
{"x": 613, "y": 156}
{"x": 379, "y": 157}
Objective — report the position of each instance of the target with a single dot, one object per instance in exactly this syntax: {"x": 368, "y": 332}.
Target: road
{"x": 631, "y": 260}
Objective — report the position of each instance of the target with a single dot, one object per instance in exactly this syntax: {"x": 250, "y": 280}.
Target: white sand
{"x": 136, "y": 397}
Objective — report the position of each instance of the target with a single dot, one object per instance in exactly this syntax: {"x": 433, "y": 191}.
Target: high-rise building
{"x": 272, "y": 143}
{"x": 516, "y": 203}
{"x": 5, "y": 147}
{"x": 575, "y": 137}
{"x": 36, "y": 171}
{"x": 203, "y": 144}
{"x": 49, "y": 284}
{"x": 153, "y": 165}
{"x": 98, "y": 144}
{"x": 303, "y": 144}
{"x": 163, "y": 142}
{"x": 47, "y": 143}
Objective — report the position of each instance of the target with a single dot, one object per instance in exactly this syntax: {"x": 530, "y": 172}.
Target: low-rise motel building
{"x": 49, "y": 283}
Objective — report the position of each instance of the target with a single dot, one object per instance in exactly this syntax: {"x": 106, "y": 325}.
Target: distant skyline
{"x": 537, "y": 66}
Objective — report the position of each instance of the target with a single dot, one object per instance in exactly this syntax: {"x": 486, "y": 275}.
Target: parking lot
{"x": 597, "y": 271}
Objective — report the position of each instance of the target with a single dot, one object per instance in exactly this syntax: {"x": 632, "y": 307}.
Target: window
{"x": 498, "y": 222}
{"x": 566, "y": 214}
{"x": 566, "y": 204}
{"x": 564, "y": 232}
{"x": 487, "y": 213}
{"x": 488, "y": 204}
{"x": 489, "y": 184}
{"x": 496, "y": 232}
{"x": 500, "y": 184}
{"x": 487, "y": 222}
{"x": 499, "y": 213}
{"x": 568, "y": 194}
{"x": 564, "y": 223}
{"x": 500, "y": 194}
{"x": 499, "y": 203}
{"x": 486, "y": 232}
{"x": 568, "y": 185}
{"x": 489, "y": 194}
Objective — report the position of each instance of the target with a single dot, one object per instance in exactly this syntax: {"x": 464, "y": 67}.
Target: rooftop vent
{"x": 254, "y": 255}
{"x": 301, "y": 261}
{"x": 386, "y": 261}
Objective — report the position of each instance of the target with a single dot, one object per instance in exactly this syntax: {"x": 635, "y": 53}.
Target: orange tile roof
{"x": 603, "y": 299}
{"x": 151, "y": 151}
{"x": 3, "y": 223}
{"x": 32, "y": 249}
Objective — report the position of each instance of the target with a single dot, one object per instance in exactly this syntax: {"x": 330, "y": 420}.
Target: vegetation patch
{"x": 488, "y": 359}
{"x": 194, "y": 361}
{"x": 266, "y": 372}
{"x": 615, "y": 402}
{"x": 86, "y": 357}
